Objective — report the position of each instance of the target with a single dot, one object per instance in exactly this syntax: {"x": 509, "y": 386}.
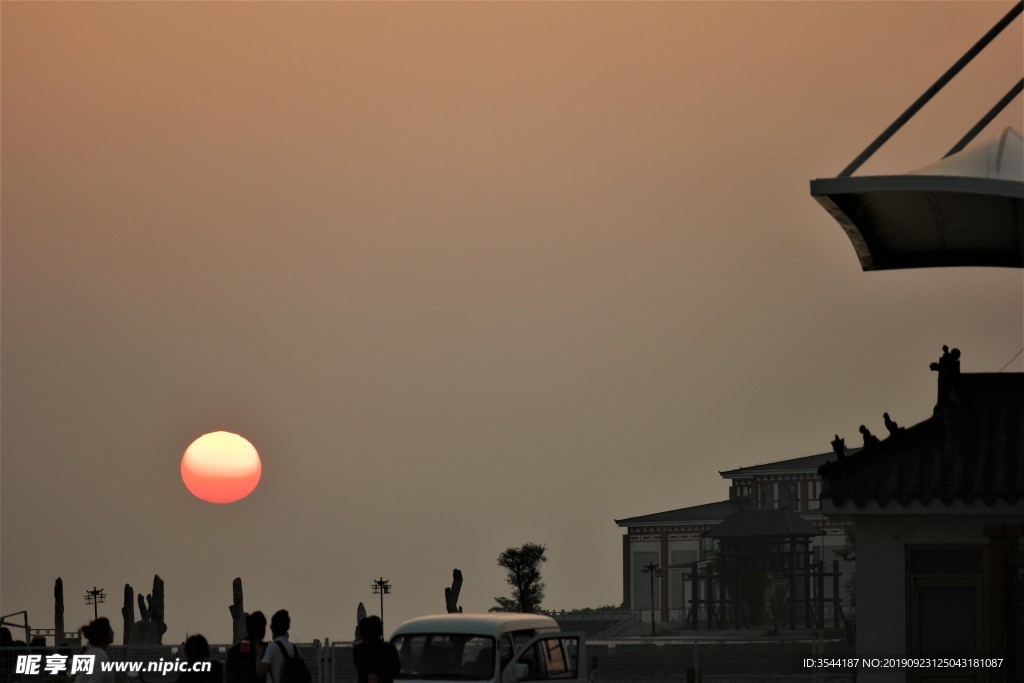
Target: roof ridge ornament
{"x": 870, "y": 440}
{"x": 948, "y": 367}
{"x": 839, "y": 446}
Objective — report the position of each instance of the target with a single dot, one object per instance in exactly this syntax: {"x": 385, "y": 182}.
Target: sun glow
{"x": 221, "y": 467}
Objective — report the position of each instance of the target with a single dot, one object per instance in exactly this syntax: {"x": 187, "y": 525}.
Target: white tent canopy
{"x": 1001, "y": 158}
{"x": 965, "y": 210}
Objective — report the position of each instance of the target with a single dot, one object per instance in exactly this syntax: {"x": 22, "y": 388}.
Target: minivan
{"x": 501, "y": 647}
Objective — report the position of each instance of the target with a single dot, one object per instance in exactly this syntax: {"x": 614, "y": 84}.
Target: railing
{"x": 588, "y": 615}
{"x": 621, "y": 628}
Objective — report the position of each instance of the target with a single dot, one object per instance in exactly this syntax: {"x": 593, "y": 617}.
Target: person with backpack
{"x": 281, "y": 661}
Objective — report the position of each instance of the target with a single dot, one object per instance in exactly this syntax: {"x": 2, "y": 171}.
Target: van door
{"x": 550, "y": 657}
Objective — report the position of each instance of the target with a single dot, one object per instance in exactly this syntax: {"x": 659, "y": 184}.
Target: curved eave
{"x": 917, "y": 221}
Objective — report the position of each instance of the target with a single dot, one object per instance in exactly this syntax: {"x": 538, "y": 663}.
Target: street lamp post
{"x": 382, "y": 587}
{"x": 653, "y": 569}
{"x": 94, "y": 597}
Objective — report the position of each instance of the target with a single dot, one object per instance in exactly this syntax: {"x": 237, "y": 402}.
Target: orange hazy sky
{"x": 467, "y": 275}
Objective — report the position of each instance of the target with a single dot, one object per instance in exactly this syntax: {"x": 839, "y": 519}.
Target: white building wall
{"x": 641, "y": 552}
{"x": 881, "y": 596}
{"x": 879, "y": 609}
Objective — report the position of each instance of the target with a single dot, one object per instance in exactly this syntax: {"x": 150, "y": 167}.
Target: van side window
{"x": 553, "y": 658}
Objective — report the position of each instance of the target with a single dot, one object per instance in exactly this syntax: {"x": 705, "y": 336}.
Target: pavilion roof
{"x": 748, "y": 523}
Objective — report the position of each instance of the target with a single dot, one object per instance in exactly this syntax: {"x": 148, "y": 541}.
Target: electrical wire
{"x": 1012, "y": 359}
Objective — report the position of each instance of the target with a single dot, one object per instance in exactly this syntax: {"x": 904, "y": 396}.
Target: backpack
{"x": 294, "y": 669}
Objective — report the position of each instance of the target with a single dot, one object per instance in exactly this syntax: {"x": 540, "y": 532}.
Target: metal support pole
{"x": 987, "y": 118}
{"x": 383, "y": 587}
{"x": 652, "y": 569}
{"x": 94, "y": 597}
{"x": 792, "y": 581}
{"x": 713, "y": 607}
{"x": 820, "y": 589}
{"x": 653, "y": 631}
{"x": 836, "y": 600}
{"x": 933, "y": 90}
{"x": 694, "y": 595}
{"x": 807, "y": 568}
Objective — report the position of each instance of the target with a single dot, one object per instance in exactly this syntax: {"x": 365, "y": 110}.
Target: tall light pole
{"x": 94, "y": 597}
{"x": 652, "y": 568}
{"x": 382, "y": 587}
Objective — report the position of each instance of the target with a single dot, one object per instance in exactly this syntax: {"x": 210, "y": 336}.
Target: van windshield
{"x": 445, "y": 656}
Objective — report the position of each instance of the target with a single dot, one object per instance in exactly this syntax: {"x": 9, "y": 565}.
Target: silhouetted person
{"x": 197, "y": 650}
{"x": 245, "y": 655}
{"x": 8, "y": 655}
{"x": 98, "y": 636}
{"x": 272, "y": 662}
{"x": 376, "y": 660}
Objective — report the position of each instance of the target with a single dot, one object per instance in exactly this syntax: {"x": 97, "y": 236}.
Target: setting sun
{"x": 220, "y": 467}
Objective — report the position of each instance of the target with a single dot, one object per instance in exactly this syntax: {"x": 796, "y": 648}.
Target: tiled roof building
{"x": 938, "y": 510}
{"x": 972, "y": 451}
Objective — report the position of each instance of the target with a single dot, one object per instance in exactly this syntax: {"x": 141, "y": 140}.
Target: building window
{"x": 813, "y": 493}
{"x": 766, "y": 496}
{"x": 740, "y": 490}
{"x": 789, "y": 495}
